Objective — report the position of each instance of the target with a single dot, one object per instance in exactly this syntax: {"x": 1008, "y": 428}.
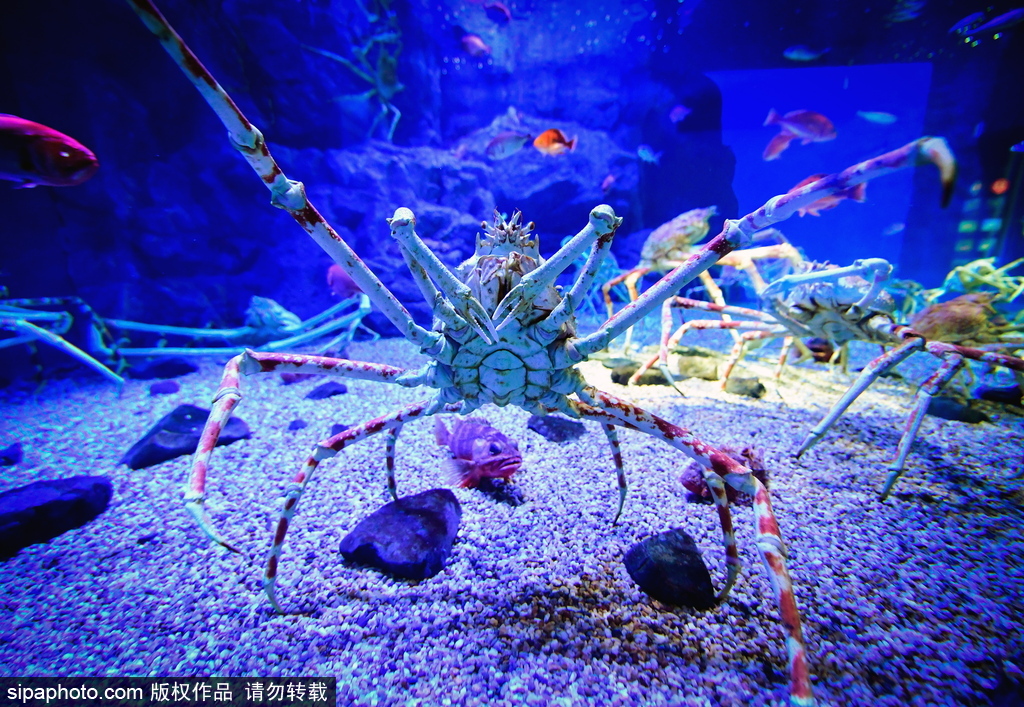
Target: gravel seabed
{"x": 914, "y": 601}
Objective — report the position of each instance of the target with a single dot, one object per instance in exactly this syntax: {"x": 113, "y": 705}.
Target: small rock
{"x": 751, "y": 387}
{"x": 652, "y": 376}
{"x": 9, "y": 456}
{"x": 338, "y": 428}
{"x": 555, "y": 428}
{"x": 614, "y": 362}
{"x": 697, "y": 491}
{"x": 952, "y": 409}
{"x": 502, "y": 491}
{"x": 1007, "y": 395}
{"x": 164, "y": 387}
{"x": 297, "y": 425}
{"x": 327, "y": 390}
{"x": 43, "y": 510}
{"x": 289, "y": 377}
{"x": 177, "y": 433}
{"x": 668, "y": 567}
{"x": 703, "y": 367}
{"x": 163, "y": 368}
{"x": 409, "y": 538}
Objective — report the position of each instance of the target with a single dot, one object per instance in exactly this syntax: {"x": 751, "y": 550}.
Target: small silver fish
{"x": 800, "y": 52}
{"x": 477, "y": 451}
{"x": 647, "y": 154}
{"x": 877, "y": 117}
{"x": 505, "y": 144}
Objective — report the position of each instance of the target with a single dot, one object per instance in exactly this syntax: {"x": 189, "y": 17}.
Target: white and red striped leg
{"x": 620, "y": 471}
{"x": 325, "y": 450}
{"x": 229, "y": 393}
{"x": 720, "y": 469}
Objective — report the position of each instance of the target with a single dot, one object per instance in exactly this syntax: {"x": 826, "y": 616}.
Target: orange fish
{"x": 804, "y": 124}
{"x": 857, "y": 193}
{"x": 553, "y": 142}
{"x": 607, "y": 183}
{"x": 33, "y": 154}
{"x": 341, "y": 283}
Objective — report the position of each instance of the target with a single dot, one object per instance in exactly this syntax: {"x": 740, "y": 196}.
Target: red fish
{"x": 341, "y": 283}
{"x": 857, "y": 193}
{"x": 804, "y": 124}
{"x": 607, "y": 183}
{"x": 473, "y": 45}
{"x": 33, "y": 154}
{"x": 498, "y": 13}
{"x": 478, "y": 451}
{"x": 554, "y": 142}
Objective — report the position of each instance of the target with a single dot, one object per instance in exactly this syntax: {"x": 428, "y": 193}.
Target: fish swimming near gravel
{"x": 32, "y": 154}
{"x": 477, "y": 451}
{"x": 806, "y": 125}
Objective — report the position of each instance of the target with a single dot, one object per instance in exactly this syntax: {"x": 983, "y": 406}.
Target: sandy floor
{"x": 913, "y": 601}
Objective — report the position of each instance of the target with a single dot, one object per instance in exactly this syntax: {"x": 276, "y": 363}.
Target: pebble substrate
{"x": 914, "y": 601}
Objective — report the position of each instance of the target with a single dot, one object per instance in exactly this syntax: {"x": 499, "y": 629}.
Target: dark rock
{"x": 409, "y": 538}
{"x": 290, "y": 377}
{"x": 502, "y": 491}
{"x": 751, "y": 387}
{"x": 697, "y": 491}
{"x": 177, "y": 433}
{"x": 652, "y": 376}
{"x": 297, "y": 425}
{"x": 952, "y": 409}
{"x": 9, "y": 456}
{"x": 327, "y": 390}
{"x": 556, "y": 429}
{"x": 338, "y": 428}
{"x": 163, "y": 368}
{"x": 614, "y": 362}
{"x": 43, "y": 510}
{"x": 668, "y": 567}
{"x": 1007, "y": 395}
{"x": 165, "y": 387}
{"x": 703, "y": 367}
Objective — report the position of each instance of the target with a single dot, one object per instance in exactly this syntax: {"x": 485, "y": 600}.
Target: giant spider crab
{"x": 503, "y": 334}
{"x": 839, "y": 305}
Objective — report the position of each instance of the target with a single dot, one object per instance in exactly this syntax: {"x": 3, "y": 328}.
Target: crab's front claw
{"x": 477, "y": 317}
{"x": 936, "y": 150}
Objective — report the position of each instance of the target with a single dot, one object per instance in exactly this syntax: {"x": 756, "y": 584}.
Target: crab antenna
{"x": 286, "y": 194}
{"x": 739, "y": 232}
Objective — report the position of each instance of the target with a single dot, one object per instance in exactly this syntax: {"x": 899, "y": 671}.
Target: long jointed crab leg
{"x": 721, "y": 469}
{"x": 230, "y": 393}
{"x": 31, "y": 332}
{"x": 286, "y": 194}
{"x": 739, "y": 232}
{"x": 325, "y": 450}
{"x": 620, "y": 471}
{"x": 601, "y": 226}
{"x": 403, "y": 230}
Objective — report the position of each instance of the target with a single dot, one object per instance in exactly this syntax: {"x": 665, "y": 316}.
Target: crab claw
{"x": 936, "y": 150}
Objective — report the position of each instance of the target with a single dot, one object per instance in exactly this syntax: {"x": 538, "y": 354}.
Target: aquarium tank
{"x": 603, "y": 265}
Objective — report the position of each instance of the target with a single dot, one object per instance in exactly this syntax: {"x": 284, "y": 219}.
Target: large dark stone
{"x": 652, "y": 376}
{"x": 556, "y": 429}
{"x": 327, "y": 390}
{"x": 11, "y": 455}
{"x": 668, "y": 566}
{"x": 177, "y": 433}
{"x": 952, "y": 409}
{"x": 43, "y": 510}
{"x": 409, "y": 538}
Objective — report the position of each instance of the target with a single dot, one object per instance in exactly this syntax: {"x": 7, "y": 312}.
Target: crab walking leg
{"x": 739, "y": 232}
{"x": 389, "y": 460}
{"x": 739, "y": 349}
{"x": 953, "y": 362}
{"x": 871, "y": 371}
{"x": 31, "y": 331}
{"x": 620, "y": 471}
{"x": 767, "y": 536}
{"x": 325, "y": 450}
{"x": 286, "y": 194}
{"x": 629, "y": 277}
{"x": 229, "y": 393}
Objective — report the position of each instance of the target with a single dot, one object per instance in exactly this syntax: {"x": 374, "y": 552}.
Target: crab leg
{"x": 739, "y": 232}
{"x": 601, "y": 226}
{"x": 229, "y": 393}
{"x": 326, "y": 449}
{"x": 953, "y": 362}
{"x": 620, "y": 471}
{"x": 719, "y": 468}
{"x": 286, "y": 194}
{"x": 32, "y": 332}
